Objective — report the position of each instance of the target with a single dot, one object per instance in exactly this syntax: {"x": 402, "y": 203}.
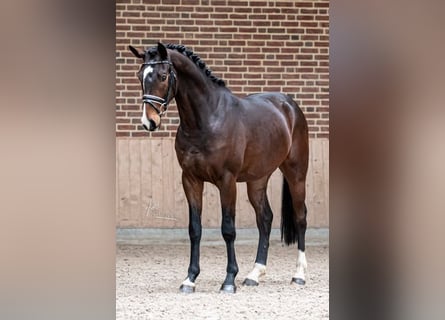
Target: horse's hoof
{"x": 250, "y": 282}
{"x": 298, "y": 281}
{"x": 186, "y": 289}
{"x": 228, "y": 288}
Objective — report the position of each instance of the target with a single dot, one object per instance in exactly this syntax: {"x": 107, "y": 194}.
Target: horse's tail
{"x": 289, "y": 230}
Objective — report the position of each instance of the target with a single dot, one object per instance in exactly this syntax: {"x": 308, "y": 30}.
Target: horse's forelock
{"x": 151, "y": 52}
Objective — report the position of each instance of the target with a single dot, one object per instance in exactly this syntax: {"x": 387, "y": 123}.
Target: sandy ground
{"x": 148, "y": 278}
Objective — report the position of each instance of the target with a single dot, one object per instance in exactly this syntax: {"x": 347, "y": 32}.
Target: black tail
{"x": 289, "y": 232}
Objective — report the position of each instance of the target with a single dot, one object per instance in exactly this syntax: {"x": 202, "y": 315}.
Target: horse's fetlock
{"x": 233, "y": 270}
{"x": 193, "y": 273}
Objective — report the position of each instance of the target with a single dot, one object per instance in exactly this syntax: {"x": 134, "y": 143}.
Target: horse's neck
{"x": 196, "y": 108}
{"x": 196, "y": 97}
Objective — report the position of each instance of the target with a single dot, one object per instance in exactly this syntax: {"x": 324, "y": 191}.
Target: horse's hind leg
{"x": 295, "y": 175}
{"x": 256, "y": 191}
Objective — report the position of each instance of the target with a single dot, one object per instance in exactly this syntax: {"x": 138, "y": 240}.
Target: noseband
{"x": 163, "y": 102}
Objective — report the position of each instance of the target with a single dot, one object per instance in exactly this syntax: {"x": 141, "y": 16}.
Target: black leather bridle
{"x": 163, "y": 102}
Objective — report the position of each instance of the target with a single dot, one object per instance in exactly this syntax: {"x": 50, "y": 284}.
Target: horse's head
{"x": 158, "y": 82}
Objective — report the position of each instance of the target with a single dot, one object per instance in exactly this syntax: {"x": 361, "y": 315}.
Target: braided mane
{"x": 197, "y": 60}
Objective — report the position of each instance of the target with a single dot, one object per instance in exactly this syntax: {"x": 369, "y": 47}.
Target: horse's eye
{"x": 163, "y": 77}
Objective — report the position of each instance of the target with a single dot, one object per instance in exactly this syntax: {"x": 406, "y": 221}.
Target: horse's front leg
{"x": 227, "y": 190}
{"x": 193, "y": 190}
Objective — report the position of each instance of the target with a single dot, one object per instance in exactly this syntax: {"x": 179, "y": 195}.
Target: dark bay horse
{"x": 223, "y": 139}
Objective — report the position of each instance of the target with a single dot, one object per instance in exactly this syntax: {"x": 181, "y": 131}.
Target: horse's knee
{"x": 228, "y": 232}
{"x": 195, "y": 233}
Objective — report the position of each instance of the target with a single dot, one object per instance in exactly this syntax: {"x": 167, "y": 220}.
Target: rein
{"x": 163, "y": 102}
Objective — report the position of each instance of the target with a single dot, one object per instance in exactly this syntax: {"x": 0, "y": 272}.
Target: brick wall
{"x": 255, "y": 46}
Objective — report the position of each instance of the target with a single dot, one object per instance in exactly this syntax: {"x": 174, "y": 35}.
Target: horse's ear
{"x": 162, "y": 51}
{"x": 136, "y": 52}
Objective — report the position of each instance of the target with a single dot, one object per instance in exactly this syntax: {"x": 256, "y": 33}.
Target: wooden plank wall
{"x": 149, "y": 190}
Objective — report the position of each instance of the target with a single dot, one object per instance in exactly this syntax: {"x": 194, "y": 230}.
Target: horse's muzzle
{"x": 151, "y": 127}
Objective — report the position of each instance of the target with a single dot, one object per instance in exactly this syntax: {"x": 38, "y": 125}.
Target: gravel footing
{"x": 148, "y": 279}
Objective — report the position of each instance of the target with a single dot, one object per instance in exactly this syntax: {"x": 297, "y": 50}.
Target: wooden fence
{"x": 149, "y": 191}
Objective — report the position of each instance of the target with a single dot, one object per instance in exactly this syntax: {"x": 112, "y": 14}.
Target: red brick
{"x": 238, "y": 16}
{"x": 258, "y": 3}
{"x": 160, "y": 134}
{"x": 190, "y": 2}
{"x": 237, "y": 3}
{"x": 284, "y": 4}
{"x": 139, "y": 134}
{"x": 242, "y": 22}
{"x": 125, "y": 127}
{"x": 217, "y": 2}
{"x": 322, "y": 4}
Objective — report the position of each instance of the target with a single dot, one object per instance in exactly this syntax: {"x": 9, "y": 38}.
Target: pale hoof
{"x": 186, "y": 289}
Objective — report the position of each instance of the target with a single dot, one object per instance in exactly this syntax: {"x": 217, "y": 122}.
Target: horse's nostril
{"x": 152, "y": 125}
{"x": 145, "y": 127}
